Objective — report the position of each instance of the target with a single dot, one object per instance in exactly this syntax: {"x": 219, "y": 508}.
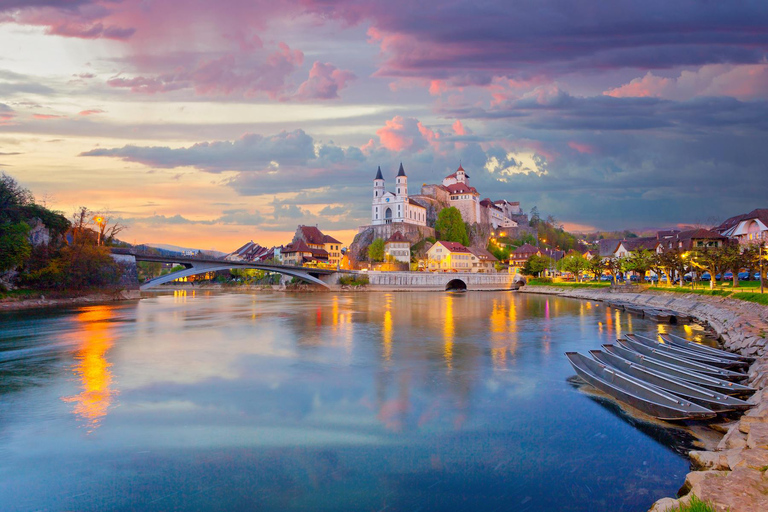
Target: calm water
{"x": 370, "y": 401}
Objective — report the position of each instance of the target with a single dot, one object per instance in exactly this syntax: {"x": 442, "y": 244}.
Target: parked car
{"x": 728, "y": 276}
{"x": 606, "y": 278}
{"x": 757, "y": 276}
{"x": 634, "y": 279}
{"x": 706, "y": 277}
{"x": 744, "y": 276}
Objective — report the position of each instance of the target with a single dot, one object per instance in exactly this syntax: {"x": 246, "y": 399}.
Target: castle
{"x": 421, "y": 210}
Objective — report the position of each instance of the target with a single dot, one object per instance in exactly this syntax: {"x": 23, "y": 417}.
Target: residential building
{"x": 249, "y": 252}
{"x": 694, "y": 239}
{"x": 333, "y": 248}
{"x": 298, "y": 253}
{"x": 747, "y": 228}
{"x": 388, "y": 207}
{"x": 486, "y": 262}
{"x": 398, "y": 247}
{"x": 448, "y": 256}
{"x": 519, "y": 256}
{"x": 629, "y": 245}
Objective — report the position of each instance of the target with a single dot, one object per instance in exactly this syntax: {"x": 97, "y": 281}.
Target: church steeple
{"x": 378, "y": 174}
{"x": 401, "y": 172}
{"x": 402, "y": 182}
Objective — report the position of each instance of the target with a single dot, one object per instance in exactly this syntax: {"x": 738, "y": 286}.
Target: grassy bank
{"x": 568, "y": 284}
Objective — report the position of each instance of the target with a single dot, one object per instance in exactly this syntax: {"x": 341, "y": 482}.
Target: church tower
{"x": 378, "y": 184}
{"x": 402, "y": 183}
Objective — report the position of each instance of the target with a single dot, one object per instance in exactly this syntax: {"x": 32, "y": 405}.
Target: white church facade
{"x": 395, "y": 207}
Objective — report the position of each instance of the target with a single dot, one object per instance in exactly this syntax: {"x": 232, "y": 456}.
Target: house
{"x": 448, "y": 256}
{"x": 486, "y": 262}
{"x": 694, "y": 239}
{"x": 333, "y": 248}
{"x": 522, "y": 254}
{"x": 607, "y": 247}
{"x": 630, "y": 245}
{"x": 298, "y": 253}
{"x": 398, "y": 248}
{"x": 748, "y": 228}
{"x": 326, "y": 248}
{"x": 249, "y": 252}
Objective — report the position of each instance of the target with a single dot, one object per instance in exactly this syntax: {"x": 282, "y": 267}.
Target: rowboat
{"x": 698, "y": 347}
{"x": 713, "y": 400}
{"x": 706, "y": 369}
{"x": 645, "y": 397}
{"x": 688, "y": 354}
{"x": 705, "y": 381}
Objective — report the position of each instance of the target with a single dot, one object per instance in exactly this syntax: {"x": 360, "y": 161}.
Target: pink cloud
{"x": 46, "y": 116}
{"x": 90, "y": 112}
{"x": 744, "y": 81}
{"x": 407, "y": 134}
{"x": 582, "y": 148}
{"x": 324, "y": 82}
{"x": 6, "y": 115}
{"x": 458, "y": 128}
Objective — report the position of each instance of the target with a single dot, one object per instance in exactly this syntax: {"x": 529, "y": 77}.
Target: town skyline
{"x": 206, "y": 127}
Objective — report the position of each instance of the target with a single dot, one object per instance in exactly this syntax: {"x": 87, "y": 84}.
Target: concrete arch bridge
{"x": 198, "y": 265}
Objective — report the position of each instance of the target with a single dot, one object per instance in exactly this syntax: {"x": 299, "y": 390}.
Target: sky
{"x": 208, "y": 124}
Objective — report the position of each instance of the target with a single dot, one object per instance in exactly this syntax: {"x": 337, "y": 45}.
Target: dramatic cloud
{"x": 746, "y": 81}
{"x": 324, "y": 82}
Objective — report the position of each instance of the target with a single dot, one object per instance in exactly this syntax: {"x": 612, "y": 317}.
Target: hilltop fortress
{"x": 414, "y": 216}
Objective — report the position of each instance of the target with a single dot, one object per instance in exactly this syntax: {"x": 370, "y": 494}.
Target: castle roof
{"x": 378, "y": 175}
{"x": 461, "y": 188}
{"x": 401, "y": 172}
{"x": 457, "y": 172}
{"x": 415, "y": 203}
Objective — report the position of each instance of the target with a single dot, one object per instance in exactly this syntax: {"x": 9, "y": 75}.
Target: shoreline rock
{"x": 91, "y": 298}
{"x": 733, "y": 476}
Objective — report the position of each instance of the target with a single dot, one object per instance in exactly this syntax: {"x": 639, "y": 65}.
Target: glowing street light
{"x": 99, "y": 220}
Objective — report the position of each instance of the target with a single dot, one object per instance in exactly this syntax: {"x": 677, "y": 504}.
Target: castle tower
{"x": 401, "y": 183}
{"x": 378, "y": 184}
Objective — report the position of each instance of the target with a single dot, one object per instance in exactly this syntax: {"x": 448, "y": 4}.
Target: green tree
{"x": 735, "y": 259}
{"x": 575, "y": 264}
{"x": 376, "y": 250}
{"x": 536, "y": 264}
{"x": 14, "y": 246}
{"x": 614, "y": 266}
{"x": 640, "y": 262}
{"x": 450, "y": 226}
{"x": 711, "y": 259}
{"x": 596, "y": 266}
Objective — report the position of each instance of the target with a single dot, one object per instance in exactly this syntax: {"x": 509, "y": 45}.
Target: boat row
{"x": 670, "y": 379}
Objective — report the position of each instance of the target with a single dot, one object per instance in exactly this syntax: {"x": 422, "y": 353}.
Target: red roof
{"x": 312, "y": 235}
{"x": 483, "y": 254}
{"x": 397, "y": 237}
{"x": 453, "y": 246}
{"x": 526, "y": 249}
{"x": 461, "y": 188}
{"x": 328, "y": 239}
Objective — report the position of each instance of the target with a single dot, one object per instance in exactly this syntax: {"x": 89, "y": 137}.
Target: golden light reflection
{"x": 449, "y": 330}
{"x": 387, "y": 335}
{"x": 92, "y": 368}
{"x": 179, "y": 296}
{"x": 618, "y": 324}
{"x": 498, "y": 328}
{"x": 662, "y": 330}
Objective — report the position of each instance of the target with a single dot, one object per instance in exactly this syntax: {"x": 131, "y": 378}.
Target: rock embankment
{"x": 733, "y": 477}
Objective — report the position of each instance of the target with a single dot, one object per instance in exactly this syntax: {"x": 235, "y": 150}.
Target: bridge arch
{"x": 202, "y": 269}
{"x": 455, "y": 285}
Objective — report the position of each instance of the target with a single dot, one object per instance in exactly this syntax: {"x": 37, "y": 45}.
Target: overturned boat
{"x": 640, "y": 395}
{"x": 718, "y": 402}
{"x": 698, "y": 347}
{"x": 701, "y": 357}
{"x": 685, "y": 374}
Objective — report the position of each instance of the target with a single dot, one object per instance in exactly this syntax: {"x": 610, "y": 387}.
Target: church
{"x": 395, "y": 207}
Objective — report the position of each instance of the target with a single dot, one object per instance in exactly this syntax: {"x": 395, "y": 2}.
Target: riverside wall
{"x": 734, "y": 476}
{"x": 438, "y": 281}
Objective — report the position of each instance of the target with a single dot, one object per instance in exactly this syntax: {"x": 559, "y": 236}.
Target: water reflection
{"x": 354, "y": 401}
{"x": 92, "y": 367}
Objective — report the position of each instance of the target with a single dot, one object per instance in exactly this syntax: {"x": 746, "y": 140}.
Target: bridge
{"x": 200, "y": 265}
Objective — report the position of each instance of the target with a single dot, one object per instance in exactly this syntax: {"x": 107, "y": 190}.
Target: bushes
{"x": 353, "y": 280}
{"x": 760, "y": 298}
{"x": 695, "y": 504}
{"x": 76, "y": 268}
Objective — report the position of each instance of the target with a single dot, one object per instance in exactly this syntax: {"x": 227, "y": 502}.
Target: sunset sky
{"x": 210, "y": 123}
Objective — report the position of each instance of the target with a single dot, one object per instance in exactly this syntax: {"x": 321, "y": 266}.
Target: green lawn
{"x": 569, "y": 284}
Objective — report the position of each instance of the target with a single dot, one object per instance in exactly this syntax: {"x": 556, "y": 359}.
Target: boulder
{"x": 758, "y": 436}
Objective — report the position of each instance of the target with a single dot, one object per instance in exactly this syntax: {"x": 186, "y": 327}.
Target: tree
{"x": 640, "y": 261}
{"x": 536, "y": 264}
{"x": 450, "y": 226}
{"x": 712, "y": 259}
{"x": 735, "y": 259}
{"x": 614, "y": 266}
{"x": 14, "y": 246}
{"x": 376, "y": 250}
{"x": 596, "y": 266}
{"x": 575, "y": 264}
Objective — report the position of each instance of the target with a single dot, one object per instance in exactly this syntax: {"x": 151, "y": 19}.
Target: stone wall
{"x": 734, "y": 476}
{"x": 437, "y": 281}
{"x": 358, "y": 249}
{"x": 129, "y": 278}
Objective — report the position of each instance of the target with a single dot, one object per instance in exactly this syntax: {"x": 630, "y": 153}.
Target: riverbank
{"x": 41, "y": 300}
{"x": 734, "y": 476}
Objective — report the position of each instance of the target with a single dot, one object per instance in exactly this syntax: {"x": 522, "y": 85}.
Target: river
{"x": 319, "y": 401}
